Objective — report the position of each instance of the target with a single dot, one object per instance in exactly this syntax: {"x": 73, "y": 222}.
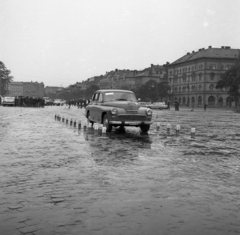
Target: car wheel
{"x": 106, "y": 123}
{"x": 145, "y": 128}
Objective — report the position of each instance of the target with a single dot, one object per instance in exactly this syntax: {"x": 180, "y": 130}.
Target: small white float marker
{"x": 104, "y": 130}
{"x": 158, "y": 126}
{"x": 168, "y": 128}
{"x": 193, "y": 130}
{"x": 96, "y": 127}
{"x": 177, "y": 129}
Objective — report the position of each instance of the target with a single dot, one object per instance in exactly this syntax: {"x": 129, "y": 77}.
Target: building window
{"x": 199, "y": 100}
{"x": 211, "y": 87}
{"x": 200, "y": 87}
{"x": 200, "y": 77}
{"x": 212, "y": 75}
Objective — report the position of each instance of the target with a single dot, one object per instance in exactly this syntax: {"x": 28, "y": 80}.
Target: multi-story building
{"x": 132, "y": 78}
{"x": 33, "y": 89}
{"x": 194, "y": 76}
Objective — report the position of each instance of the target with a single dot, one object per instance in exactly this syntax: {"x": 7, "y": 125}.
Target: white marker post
{"x": 193, "y": 130}
{"x": 177, "y": 129}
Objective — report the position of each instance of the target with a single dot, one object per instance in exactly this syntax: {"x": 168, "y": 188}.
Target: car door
{"x": 98, "y": 107}
{"x": 93, "y": 112}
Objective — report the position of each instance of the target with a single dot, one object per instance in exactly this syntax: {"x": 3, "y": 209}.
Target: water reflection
{"x": 117, "y": 148}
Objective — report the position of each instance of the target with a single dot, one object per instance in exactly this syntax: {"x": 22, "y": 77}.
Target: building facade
{"x": 132, "y": 79}
{"x": 32, "y": 89}
{"x": 52, "y": 89}
{"x": 193, "y": 77}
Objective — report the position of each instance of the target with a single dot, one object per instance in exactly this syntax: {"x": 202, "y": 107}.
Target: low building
{"x": 194, "y": 76}
{"x": 52, "y": 89}
{"x": 33, "y": 89}
{"x": 132, "y": 78}
{"x": 15, "y": 89}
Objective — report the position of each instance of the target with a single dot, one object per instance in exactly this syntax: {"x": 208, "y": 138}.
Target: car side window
{"x": 100, "y": 97}
{"x": 95, "y": 97}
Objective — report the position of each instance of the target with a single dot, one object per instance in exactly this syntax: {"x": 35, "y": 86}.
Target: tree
{"x": 5, "y": 78}
{"x": 90, "y": 90}
{"x": 231, "y": 80}
{"x": 153, "y": 91}
{"x": 163, "y": 90}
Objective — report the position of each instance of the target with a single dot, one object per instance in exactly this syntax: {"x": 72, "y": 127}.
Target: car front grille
{"x": 127, "y": 117}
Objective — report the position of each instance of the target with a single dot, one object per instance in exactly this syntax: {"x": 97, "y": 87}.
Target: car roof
{"x": 109, "y": 90}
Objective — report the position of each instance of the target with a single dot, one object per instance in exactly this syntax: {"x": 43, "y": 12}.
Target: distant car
{"x": 157, "y": 105}
{"x": 59, "y": 102}
{"x": 7, "y": 100}
{"x": 112, "y": 107}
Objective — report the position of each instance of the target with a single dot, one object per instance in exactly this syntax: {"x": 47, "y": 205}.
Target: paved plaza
{"x": 56, "y": 179}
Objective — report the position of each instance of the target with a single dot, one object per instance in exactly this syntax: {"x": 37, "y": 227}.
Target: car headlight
{"x": 149, "y": 112}
{"x": 114, "y": 111}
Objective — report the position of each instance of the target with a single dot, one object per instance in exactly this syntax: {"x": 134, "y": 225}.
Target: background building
{"x": 194, "y": 76}
{"x": 129, "y": 79}
{"x": 33, "y": 89}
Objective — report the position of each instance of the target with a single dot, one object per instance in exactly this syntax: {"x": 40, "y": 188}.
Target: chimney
{"x": 210, "y": 47}
{"x": 188, "y": 53}
{"x": 193, "y": 51}
{"x": 227, "y": 47}
{"x": 222, "y": 47}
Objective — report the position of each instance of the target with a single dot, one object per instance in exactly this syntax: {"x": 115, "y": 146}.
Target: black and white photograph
{"x": 119, "y": 117}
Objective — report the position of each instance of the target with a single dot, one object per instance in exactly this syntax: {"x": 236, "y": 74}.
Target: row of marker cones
{"x": 74, "y": 123}
{"x": 177, "y": 129}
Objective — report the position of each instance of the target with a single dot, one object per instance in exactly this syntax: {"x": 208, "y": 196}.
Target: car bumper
{"x": 127, "y": 123}
{"x": 7, "y": 103}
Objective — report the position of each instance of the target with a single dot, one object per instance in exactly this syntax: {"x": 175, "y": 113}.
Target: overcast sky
{"x": 61, "y": 42}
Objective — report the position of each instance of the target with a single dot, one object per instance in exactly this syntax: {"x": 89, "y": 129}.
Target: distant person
{"x": 205, "y": 107}
{"x": 192, "y": 108}
{"x": 168, "y": 105}
{"x": 176, "y": 105}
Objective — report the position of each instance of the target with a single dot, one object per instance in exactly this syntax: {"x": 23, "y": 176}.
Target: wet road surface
{"x": 55, "y": 179}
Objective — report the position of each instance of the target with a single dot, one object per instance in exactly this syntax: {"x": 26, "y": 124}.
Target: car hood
{"x": 127, "y": 105}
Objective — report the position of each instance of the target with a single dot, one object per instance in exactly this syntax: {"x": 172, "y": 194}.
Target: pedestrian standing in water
{"x": 168, "y": 105}
{"x": 192, "y": 108}
{"x": 205, "y": 107}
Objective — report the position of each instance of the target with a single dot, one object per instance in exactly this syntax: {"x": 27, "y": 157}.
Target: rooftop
{"x": 223, "y": 52}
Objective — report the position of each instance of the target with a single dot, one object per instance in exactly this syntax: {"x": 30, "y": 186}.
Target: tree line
{"x": 5, "y": 78}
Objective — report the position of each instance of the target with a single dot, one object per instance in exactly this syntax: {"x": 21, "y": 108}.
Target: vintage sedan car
{"x": 112, "y": 107}
{"x": 7, "y": 100}
{"x": 157, "y": 105}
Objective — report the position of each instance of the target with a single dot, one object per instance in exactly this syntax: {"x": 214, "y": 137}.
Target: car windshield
{"x": 119, "y": 96}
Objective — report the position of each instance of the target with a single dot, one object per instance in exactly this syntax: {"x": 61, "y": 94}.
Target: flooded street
{"x": 56, "y": 179}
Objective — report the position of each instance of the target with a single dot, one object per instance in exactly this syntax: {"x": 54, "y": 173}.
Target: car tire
{"x": 145, "y": 128}
{"x": 106, "y": 123}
